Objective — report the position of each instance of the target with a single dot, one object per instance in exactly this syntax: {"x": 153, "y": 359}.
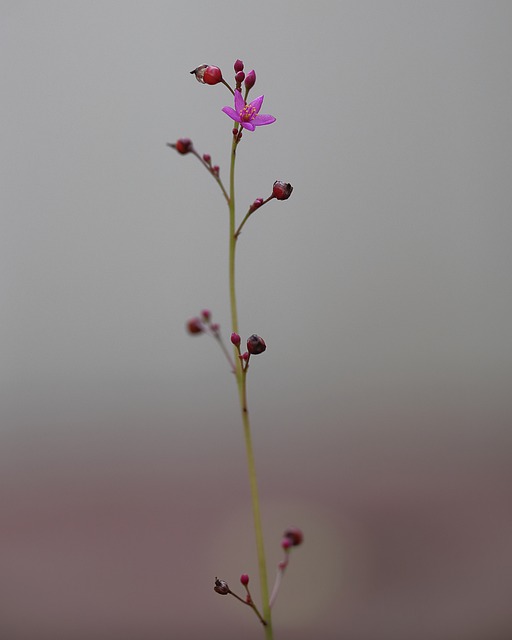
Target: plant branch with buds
{"x": 246, "y": 117}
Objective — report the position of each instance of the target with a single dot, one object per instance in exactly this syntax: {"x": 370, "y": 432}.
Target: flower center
{"x": 248, "y": 113}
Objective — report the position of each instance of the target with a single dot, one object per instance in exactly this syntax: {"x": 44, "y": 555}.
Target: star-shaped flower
{"x": 248, "y": 115}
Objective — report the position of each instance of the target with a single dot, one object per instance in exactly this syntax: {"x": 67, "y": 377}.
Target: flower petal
{"x": 229, "y": 111}
{"x": 256, "y": 103}
{"x": 239, "y": 101}
{"x": 263, "y": 118}
{"x": 248, "y": 125}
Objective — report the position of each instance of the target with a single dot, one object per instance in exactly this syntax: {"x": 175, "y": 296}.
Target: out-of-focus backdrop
{"x": 382, "y": 409}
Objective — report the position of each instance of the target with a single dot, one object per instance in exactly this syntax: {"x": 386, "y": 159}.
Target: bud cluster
{"x": 203, "y": 324}
{"x": 255, "y": 345}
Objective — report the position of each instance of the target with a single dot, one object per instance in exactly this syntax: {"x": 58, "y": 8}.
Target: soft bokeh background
{"x": 382, "y": 408}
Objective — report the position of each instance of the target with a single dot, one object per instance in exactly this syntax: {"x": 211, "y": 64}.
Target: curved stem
{"x": 240, "y": 374}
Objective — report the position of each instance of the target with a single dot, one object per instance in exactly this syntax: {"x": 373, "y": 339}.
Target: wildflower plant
{"x": 246, "y": 116}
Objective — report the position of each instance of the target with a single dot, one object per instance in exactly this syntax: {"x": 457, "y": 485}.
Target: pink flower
{"x": 248, "y": 115}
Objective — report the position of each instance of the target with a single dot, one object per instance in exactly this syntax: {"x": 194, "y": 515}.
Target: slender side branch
{"x": 256, "y": 205}
{"x": 214, "y": 174}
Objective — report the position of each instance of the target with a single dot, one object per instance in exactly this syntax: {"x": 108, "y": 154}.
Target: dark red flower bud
{"x": 215, "y": 170}
{"x": 206, "y": 314}
{"x": 244, "y": 579}
{"x": 239, "y": 78}
{"x": 294, "y": 536}
{"x": 238, "y": 66}
{"x": 195, "y": 326}
{"x": 255, "y": 345}
{"x": 206, "y": 74}
{"x": 235, "y": 339}
{"x": 212, "y": 75}
{"x": 183, "y": 145}
{"x": 207, "y": 158}
{"x": 245, "y": 356}
{"x": 250, "y": 80}
{"x": 221, "y": 586}
{"x": 282, "y": 190}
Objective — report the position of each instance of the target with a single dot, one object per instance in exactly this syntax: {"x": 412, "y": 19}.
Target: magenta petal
{"x": 257, "y": 102}
{"x": 248, "y": 125}
{"x": 262, "y": 119}
{"x": 229, "y": 111}
{"x": 239, "y": 101}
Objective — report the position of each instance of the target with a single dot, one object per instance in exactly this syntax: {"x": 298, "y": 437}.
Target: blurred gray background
{"x": 382, "y": 408}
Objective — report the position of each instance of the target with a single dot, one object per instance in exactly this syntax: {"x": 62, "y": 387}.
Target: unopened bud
{"x": 195, "y": 326}
{"x": 221, "y": 586}
{"x": 207, "y": 158}
{"x": 183, "y": 145}
{"x": 206, "y": 314}
{"x": 238, "y": 66}
{"x": 235, "y": 339}
{"x": 239, "y": 77}
{"x": 250, "y": 80}
{"x": 282, "y": 190}
{"x": 244, "y": 579}
{"x": 256, "y": 204}
{"x": 245, "y": 356}
{"x": 294, "y": 535}
{"x": 255, "y": 344}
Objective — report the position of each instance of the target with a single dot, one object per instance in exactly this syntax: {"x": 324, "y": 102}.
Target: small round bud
{"x": 183, "y": 145}
{"x": 255, "y": 344}
{"x": 244, "y": 579}
{"x": 282, "y": 190}
{"x": 256, "y": 204}
{"x": 215, "y": 170}
{"x": 207, "y": 74}
{"x": 215, "y": 327}
{"x": 195, "y": 326}
{"x": 239, "y": 77}
{"x": 238, "y": 66}
{"x": 207, "y": 158}
{"x": 245, "y": 356}
{"x": 294, "y": 536}
{"x": 235, "y": 339}
{"x": 206, "y": 314}
{"x": 212, "y": 75}
{"x": 286, "y": 543}
{"x": 250, "y": 80}
{"x": 221, "y": 586}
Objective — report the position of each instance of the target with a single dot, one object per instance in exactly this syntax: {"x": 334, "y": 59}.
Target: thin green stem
{"x": 241, "y": 374}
